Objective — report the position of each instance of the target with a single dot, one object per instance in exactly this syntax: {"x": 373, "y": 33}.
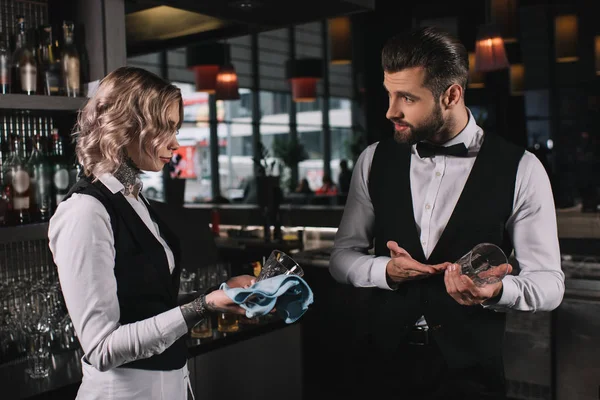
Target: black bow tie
{"x": 430, "y": 150}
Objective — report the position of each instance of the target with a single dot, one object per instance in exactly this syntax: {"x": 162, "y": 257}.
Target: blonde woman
{"x": 117, "y": 261}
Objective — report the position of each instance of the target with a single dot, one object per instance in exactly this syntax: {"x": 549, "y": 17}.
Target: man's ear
{"x": 452, "y": 96}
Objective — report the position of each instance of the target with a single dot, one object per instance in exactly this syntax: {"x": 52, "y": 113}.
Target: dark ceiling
{"x": 150, "y": 29}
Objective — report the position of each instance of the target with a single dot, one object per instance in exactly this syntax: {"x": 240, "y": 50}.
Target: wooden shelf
{"x": 40, "y": 103}
{"x": 23, "y": 233}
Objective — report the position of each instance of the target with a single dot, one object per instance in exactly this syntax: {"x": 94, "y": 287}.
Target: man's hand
{"x": 402, "y": 267}
{"x": 465, "y": 292}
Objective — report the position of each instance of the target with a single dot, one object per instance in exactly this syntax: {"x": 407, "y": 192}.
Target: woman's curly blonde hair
{"x": 131, "y": 104}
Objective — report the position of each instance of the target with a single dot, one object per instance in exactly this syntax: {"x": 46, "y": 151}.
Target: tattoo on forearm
{"x": 195, "y": 311}
{"x": 211, "y": 306}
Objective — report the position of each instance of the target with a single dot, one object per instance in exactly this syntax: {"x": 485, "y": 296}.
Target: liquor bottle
{"x": 49, "y": 63}
{"x": 4, "y": 65}
{"x": 24, "y": 64}
{"x": 40, "y": 172}
{"x": 18, "y": 186}
{"x": 4, "y": 142}
{"x": 4, "y": 205}
{"x": 4, "y": 200}
{"x": 84, "y": 59}
{"x": 61, "y": 176}
{"x": 5, "y": 53}
{"x": 70, "y": 62}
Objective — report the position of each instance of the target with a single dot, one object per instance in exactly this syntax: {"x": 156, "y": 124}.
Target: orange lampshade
{"x": 490, "y": 54}
{"x": 304, "y": 89}
{"x": 340, "y": 37}
{"x": 565, "y": 38}
{"x": 227, "y": 84}
{"x": 597, "y": 54}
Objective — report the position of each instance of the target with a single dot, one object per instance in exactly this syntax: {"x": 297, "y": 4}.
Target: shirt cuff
{"x": 510, "y": 293}
{"x": 172, "y": 323}
{"x": 378, "y": 276}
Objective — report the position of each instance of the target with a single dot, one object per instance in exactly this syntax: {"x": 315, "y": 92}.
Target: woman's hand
{"x": 218, "y": 301}
{"x": 241, "y": 281}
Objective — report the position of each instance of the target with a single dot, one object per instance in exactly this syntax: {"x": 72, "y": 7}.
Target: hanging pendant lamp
{"x": 490, "y": 54}
{"x": 303, "y": 75}
{"x": 340, "y": 37}
{"x": 205, "y": 60}
{"x": 227, "y": 87}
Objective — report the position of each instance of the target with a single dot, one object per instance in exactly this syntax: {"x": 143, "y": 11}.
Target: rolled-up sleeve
{"x": 82, "y": 244}
{"x": 540, "y": 285}
{"x": 350, "y": 260}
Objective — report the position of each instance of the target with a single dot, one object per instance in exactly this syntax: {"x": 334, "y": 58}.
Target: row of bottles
{"x": 38, "y": 64}
{"x": 36, "y": 173}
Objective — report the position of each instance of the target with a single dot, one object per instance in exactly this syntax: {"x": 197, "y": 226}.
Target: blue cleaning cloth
{"x": 290, "y": 293}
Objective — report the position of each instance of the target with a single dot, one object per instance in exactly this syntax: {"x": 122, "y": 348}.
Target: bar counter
{"x": 572, "y": 223}
{"x": 65, "y": 374}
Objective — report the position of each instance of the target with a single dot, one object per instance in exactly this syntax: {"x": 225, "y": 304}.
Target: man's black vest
{"x": 145, "y": 286}
{"x": 466, "y": 335}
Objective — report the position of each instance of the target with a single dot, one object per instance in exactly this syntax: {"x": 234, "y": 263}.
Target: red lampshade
{"x": 303, "y": 75}
{"x": 304, "y": 89}
{"x": 490, "y": 54}
{"x": 227, "y": 84}
{"x": 205, "y": 60}
{"x": 206, "y": 77}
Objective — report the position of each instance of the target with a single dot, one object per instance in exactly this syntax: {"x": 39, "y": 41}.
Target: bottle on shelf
{"x": 5, "y": 64}
{"x": 24, "y": 64}
{"x": 49, "y": 63}
{"x": 5, "y": 206}
{"x": 84, "y": 60}
{"x": 40, "y": 172}
{"x": 5, "y": 51}
{"x": 4, "y": 200}
{"x": 61, "y": 174}
{"x": 17, "y": 186}
{"x": 70, "y": 62}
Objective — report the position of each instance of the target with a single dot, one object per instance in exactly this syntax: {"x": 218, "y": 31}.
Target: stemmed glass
{"x": 37, "y": 324}
{"x": 279, "y": 263}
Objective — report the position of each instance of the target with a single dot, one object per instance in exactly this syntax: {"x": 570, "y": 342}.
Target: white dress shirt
{"x": 82, "y": 243}
{"x": 436, "y": 184}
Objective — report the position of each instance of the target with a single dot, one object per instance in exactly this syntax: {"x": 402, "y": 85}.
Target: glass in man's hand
{"x": 485, "y": 264}
{"x": 279, "y": 263}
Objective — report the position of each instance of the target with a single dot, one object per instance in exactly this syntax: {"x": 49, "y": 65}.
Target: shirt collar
{"x": 112, "y": 183}
{"x": 468, "y": 136}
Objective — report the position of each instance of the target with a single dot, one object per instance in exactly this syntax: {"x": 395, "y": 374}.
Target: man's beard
{"x": 432, "y": 125}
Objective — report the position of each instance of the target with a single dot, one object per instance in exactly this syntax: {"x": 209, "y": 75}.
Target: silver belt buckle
{"x": 419, "y": 336}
